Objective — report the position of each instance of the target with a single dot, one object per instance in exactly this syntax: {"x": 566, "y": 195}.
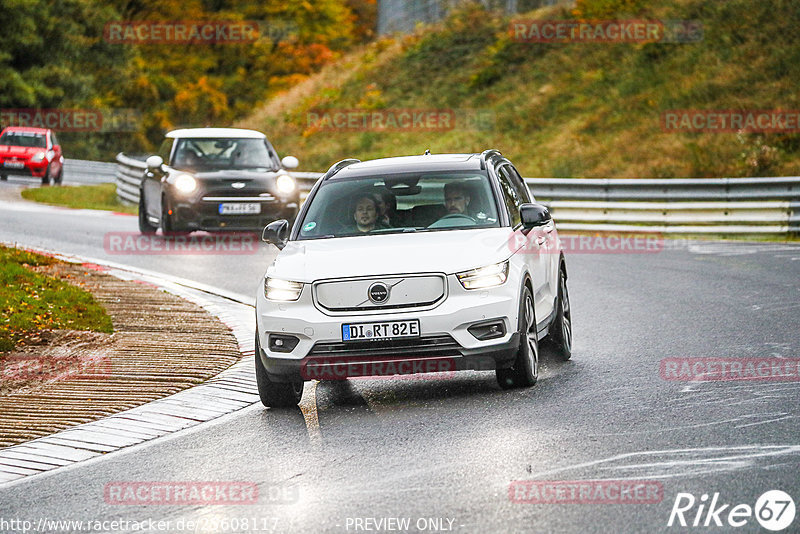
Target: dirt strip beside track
{"x": 161, "y": 344}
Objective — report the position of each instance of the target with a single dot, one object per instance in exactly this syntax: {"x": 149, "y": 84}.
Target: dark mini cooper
{"x": 216, "y": 179}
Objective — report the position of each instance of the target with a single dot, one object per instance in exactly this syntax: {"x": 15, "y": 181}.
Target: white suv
{"x": 432, "y": 263}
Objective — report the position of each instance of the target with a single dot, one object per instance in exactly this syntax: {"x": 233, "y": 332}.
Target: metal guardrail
{"x": 88, "y": 172}
{"x": 667, "y": 189}
{"x": 130, "y": 171}
{"x": 669, "y": 205}
{"x": 673, "y": 205}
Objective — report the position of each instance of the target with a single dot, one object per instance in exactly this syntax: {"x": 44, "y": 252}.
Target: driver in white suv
{"x": 456, "y": 198}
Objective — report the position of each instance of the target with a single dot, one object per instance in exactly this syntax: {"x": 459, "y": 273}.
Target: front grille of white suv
{"x": 404, "y": 292}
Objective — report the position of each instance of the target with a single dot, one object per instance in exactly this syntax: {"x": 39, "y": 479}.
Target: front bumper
{"x": 204, "y": 215}
{"x": 445, "y": 343}
{"x": 35, "y": 170}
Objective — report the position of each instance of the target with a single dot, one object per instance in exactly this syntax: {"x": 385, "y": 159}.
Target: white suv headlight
{"x": 282, "y": 290}
{"x": 483, "y": 277}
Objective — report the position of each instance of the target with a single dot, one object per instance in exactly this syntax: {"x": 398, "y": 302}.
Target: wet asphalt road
{"x": 442, "y": 453}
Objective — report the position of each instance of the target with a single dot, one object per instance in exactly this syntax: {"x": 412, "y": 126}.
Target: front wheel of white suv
{"x": 275, "y": 394}
{"x": 525, "y": 370}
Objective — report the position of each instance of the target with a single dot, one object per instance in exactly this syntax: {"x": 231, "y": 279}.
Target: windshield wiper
{"x": 399, "y": 230}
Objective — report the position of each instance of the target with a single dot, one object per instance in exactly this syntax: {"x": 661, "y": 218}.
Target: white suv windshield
{"x": 400, "y": 203}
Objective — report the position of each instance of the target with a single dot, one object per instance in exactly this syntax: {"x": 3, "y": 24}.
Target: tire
{"x": 525, "y": 370}
{"x": 561, "y": 336}
{"x": 46, "y": 177}
{"x": 57, "y": 179}
{"x": 275, "y": 394}
{"x": 144, "y": 225}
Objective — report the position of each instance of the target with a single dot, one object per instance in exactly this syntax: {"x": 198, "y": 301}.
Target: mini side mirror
{"x": 534, "y": 215}
{"x": 154, "y": 163}
{"x": 290, "y": 162}
{"x": 276, "y": 233}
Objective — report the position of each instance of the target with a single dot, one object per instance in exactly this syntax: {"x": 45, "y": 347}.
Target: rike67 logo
{"x": 774, "y": 510}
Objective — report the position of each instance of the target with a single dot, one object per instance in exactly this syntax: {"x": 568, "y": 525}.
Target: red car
{"x": 31, "y": 152}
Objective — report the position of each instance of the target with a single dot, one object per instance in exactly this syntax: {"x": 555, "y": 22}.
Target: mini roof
{"x": 200, "y": 133}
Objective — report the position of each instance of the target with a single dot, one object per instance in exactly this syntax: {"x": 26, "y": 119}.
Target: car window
{"x": 53, "y": 138}
{"x": 24, "y": 139}
{"x": 218, "y": 153}
{"x": 512, "y": 196}
{"x": 519, "y": 182}
{"x": 396, "y": 203}
{"x": 273, "y": 154}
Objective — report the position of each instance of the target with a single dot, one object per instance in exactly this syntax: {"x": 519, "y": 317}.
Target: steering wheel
{"x": 454, "y": 220}
{"x": 457, "y": 216}
{"x": 197, "y": 147}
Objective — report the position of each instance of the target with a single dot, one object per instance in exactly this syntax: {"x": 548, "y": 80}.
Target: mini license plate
{"x": 14, "y": 164}
{"x": 380, "y": 330}
{"x": 240, "y": 208}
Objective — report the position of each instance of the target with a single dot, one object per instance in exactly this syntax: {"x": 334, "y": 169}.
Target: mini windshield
{"x": 26, "y": 139}
{"x": 216, "y": 154}
{"x": 397, "y": 203}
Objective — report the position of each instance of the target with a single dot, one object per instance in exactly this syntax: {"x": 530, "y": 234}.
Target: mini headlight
{"x": 490, "y": 276}
{"x": 39, "y": 156}
{"x": 185, "y": 183}
{"x": 285, "y": 184}
{"x": 282, "y": 290}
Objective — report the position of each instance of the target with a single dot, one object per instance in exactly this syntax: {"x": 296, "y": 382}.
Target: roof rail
{"x": 486, "y": 154}
{"x": 336, "y": 167}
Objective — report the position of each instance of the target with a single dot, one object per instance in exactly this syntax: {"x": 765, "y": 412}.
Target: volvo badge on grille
{"x": 378, "y": 292}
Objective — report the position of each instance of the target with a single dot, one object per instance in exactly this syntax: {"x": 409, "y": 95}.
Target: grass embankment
{"x": 31, "y": 302}
{"x": 566, "y": 110}
{"x": 94, "y": 197}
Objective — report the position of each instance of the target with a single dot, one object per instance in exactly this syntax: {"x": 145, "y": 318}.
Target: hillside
{"x": 577, "y": 109}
